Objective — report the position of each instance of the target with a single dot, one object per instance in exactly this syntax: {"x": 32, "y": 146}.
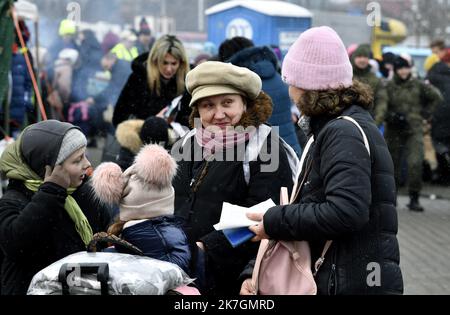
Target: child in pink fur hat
{"x": 145, "y": 197}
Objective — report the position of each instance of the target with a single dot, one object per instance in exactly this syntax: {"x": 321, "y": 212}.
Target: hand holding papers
{"x": 234, "y": 221}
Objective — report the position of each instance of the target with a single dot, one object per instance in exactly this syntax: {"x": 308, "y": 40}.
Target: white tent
{"x": 267, "y": 7}
{"x": 27, "y": 10}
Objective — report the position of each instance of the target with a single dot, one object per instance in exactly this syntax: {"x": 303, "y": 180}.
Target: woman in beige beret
{"x": 231, "y": 156}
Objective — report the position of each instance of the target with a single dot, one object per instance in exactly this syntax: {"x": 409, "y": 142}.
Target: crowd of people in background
{"x": 139, "y": 90}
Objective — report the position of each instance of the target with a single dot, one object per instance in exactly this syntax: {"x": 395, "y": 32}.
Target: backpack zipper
{"x": 332, "y": 280}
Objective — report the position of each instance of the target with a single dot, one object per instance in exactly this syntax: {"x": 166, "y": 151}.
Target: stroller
{"x": 96, "y": 272}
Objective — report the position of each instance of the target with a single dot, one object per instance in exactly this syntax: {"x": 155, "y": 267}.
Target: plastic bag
{"x": 128, "y": 275}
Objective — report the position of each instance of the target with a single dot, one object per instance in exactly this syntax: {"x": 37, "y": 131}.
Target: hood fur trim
{"x": 127, "y": 134}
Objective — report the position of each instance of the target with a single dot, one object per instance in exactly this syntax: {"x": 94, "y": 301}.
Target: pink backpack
{"x": 284, "y": 267}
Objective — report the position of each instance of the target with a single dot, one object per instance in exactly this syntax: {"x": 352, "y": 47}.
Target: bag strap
{"x": 102, "y": 240}
{"x": 297, "y": 188}
{"x": 266, "y": 244}
{"x": 366, "y": 141}
{"x": 320, "y": 261}
{"x": 327, "y": 246}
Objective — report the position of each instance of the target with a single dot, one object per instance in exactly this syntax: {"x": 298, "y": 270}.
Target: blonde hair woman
{"x": 157, "y": 79}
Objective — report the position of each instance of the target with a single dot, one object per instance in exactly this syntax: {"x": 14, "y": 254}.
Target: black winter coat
{"x": 137, "y": 100}
{"x": 224, "y": 182}
{"x": 348, "y": 198}
{"x": 439, "y": 76}
{"x": 35, "y": 230}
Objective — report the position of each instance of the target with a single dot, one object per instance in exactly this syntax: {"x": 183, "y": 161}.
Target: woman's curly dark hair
{"x": 333, "y": 102}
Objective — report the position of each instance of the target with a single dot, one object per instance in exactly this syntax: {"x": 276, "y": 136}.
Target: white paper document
{"x": 233, "y": 216}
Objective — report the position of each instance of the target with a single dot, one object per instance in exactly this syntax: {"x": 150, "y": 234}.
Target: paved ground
{"x": 424, "y": 239}
{"x": 425, "y": 247}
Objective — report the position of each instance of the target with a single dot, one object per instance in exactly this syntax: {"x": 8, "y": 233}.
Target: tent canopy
{"x": 27, "y": 10}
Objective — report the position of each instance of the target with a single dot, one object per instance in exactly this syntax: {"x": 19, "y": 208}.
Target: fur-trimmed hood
{"x": 258, "y": 112}
{"x": 127, "y": 134}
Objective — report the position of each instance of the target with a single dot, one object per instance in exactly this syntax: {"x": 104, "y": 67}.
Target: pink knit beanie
{"x": 318, "y": 60}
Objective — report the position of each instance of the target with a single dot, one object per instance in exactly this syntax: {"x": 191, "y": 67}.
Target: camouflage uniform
{"x": 377, "y": 85}
{"x": 379, "y": 90}
{"x": 410, "y": 102}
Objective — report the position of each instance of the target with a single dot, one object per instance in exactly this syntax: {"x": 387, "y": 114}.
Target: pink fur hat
{"x": 144, "y": 190}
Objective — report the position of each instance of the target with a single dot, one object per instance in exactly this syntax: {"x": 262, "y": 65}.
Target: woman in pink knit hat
{"x": 349, "y": 193}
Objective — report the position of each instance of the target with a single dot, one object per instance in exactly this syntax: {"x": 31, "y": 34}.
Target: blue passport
{"x": 238, "y": 236}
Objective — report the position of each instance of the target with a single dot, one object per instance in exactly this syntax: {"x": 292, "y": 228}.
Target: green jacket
{"x": 413, "y": 99}
{"x": 379, "y": 109}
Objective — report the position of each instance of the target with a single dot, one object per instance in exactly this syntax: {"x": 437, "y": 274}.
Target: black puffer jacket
{"x": 35, "y": 229}
{"x": 137, "y": 100}
{"x": 439, "y": 76}
{"x": 350, "y": 199}
{"x": 225, "y": 182}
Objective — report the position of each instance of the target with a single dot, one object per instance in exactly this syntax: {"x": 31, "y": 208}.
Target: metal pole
{"x": 201, "y": 17}
{"x": 162, "y": 18}
{"x": 38, "y": 67}
{"x": 163, "y": 8}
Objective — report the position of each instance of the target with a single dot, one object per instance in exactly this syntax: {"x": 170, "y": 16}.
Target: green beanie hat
{"x": 363, "y": 51}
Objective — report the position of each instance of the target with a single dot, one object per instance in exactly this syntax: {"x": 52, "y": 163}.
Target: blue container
{"x": 264, "y": 22}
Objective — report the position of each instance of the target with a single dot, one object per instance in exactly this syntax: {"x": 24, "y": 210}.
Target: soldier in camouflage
{"x": 410, "y": 103}
{"x": 362, "y": 72}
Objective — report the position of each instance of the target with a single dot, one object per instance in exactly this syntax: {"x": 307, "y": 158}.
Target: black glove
{"x": 399, "y": 121}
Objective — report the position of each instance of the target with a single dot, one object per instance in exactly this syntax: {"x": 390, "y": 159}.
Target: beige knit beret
{"x": 216, "y": 78}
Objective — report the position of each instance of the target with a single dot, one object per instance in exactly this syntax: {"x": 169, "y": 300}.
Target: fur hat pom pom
{"x": 155, "y": 166}
{"x": 108, "y": 183}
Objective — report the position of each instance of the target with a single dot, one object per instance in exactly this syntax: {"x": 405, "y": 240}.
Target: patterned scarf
{"x": 220, "y": 141}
